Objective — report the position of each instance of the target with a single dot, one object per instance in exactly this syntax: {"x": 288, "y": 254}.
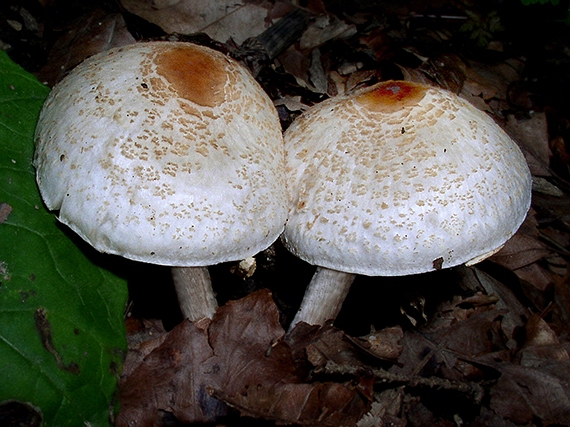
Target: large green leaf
{"x": 62, "y": 335}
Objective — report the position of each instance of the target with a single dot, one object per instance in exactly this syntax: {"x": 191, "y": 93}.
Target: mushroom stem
{"x": 324, "y": 297}
{"x": 195, "y": 294}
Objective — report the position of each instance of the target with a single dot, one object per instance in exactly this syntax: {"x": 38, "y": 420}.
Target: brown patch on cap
{"x": 392, "y": 95}
{"x": 196, "y": 75}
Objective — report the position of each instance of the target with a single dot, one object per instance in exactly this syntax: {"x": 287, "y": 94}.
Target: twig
{"x": 473, "y": 391}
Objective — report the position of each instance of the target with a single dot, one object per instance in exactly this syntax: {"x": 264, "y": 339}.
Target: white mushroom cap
{"x": 164, "y": 152}
{"x": 401, "y": 178}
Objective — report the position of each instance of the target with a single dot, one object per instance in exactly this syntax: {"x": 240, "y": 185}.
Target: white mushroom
{"x": 397, "y": 179}
{"x": 166, "y": 153}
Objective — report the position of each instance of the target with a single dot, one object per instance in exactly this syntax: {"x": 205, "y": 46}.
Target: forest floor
{"x": 487, "y": 345}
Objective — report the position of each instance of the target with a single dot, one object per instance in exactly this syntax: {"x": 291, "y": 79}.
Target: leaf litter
{"x": 239, "y": 360}
{"x": 494, "y": 351}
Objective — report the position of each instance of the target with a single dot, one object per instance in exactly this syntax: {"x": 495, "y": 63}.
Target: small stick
{"x": 470, "y": 389}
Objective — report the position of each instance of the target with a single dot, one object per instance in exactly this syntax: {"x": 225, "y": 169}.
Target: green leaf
{"x": 62, "y": 337}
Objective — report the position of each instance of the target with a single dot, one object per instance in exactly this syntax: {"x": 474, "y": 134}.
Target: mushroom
{"x": 399, "y": 178}
{"x": 166, "y": 153}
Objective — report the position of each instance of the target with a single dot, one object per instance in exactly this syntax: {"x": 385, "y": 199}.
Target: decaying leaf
{"x": 515, "y": 312}
{"x": 239, "y": 360}
{"x": 442, "y": 352}
{"x": 172, "y": 378}
{"x": 523, "y": 250}
{"x": 93, "y": 33}
{"x": 523, "y": 393}
{"x": 318, "y": 404}
{"x": 385, "y": 410}
{"x": 221, "y": 20}
{"x": 531, "y": 133}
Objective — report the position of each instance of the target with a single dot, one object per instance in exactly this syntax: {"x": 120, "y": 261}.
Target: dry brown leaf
{"x": 292, "y": 103}
{"x": 385, "y": 410}
{"x": 520, "y": 251}
{"x": 379, "y": 43}
{"x": 437, "y": 353}
{"x": 317, "y": 75}
{"x": 488, "y": 418}
{"x": 446, "y": 70}
{"x": 515, "y": 312}
{"x": 297, "y": 64}
{"x": 523, "y": 393}
{"x": 143, "y": 336}
{"x": 221, "y": 20}
{"x": 561, "y": 154}
{"x": 246, "y": 338}
{"x": 558, "y": 238}
{"x": 262, "y": 379}
{"x": 323, "y": 29}
{"x": 172, "y": 378}
{"x": 531, "y": 133}
{"x": 415, "y": 75}
{"x": 537, "y": 356}
{"x": 535, "y": 275}
{"x": 318, "y": 404}
{"x": 240, "y": 359}
{"x": 96, "y": 32}
{"x": 486, "y": 86}
{"x": 541, "y": 344}
{"x": 561, "y": 307}
{"x": 383, "y": 344}
{"x": 524, "y": 248}
{"x": 470, "y": 337}
{"x": 319, "y": 345}
{"x": 250, "y": 20}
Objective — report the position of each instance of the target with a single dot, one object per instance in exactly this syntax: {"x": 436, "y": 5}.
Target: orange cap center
{"x": 391, "y": 95}
{"x": 195, "y": 75}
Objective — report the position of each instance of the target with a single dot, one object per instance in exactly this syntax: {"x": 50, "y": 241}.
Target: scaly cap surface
{"x": 163, "y": 152}
{"x": 401, "y": 178}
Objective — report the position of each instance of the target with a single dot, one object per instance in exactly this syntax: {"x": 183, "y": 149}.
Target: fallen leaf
{"x": 383, "y": 344}
{"x": 318, "y": 404}
{"x": 523, "y": 393}
{"x": 93, "y": 33}
{"x": 221, "y": 20}
{"x": 385, "y": 410}
{"x": 524, "y": 248}
{"x": 447, "y": 70}
{"x": 535, "y": 275}
{"x": 323, "y": 29}
{"x": 515, "y": 311}
{"x": 561, "y": 299}
{"x": 486, "y": 86}
{"x": 172, "y": 378}
{"x": 531, "y": 134}
{"x": 143, "y": 336}
{"x": 539, "y": 333}
{"x": 318, "y": 345}
{"x": 238, "y": 360}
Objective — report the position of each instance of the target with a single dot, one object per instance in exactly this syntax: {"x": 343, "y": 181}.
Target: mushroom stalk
{"x": 195, "y": 294}
{"x": 324, "y": 296}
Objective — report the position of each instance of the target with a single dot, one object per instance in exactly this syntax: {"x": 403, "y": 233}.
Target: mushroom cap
{"x": 164, "y": 152}
{"x": 401, "y": 178}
